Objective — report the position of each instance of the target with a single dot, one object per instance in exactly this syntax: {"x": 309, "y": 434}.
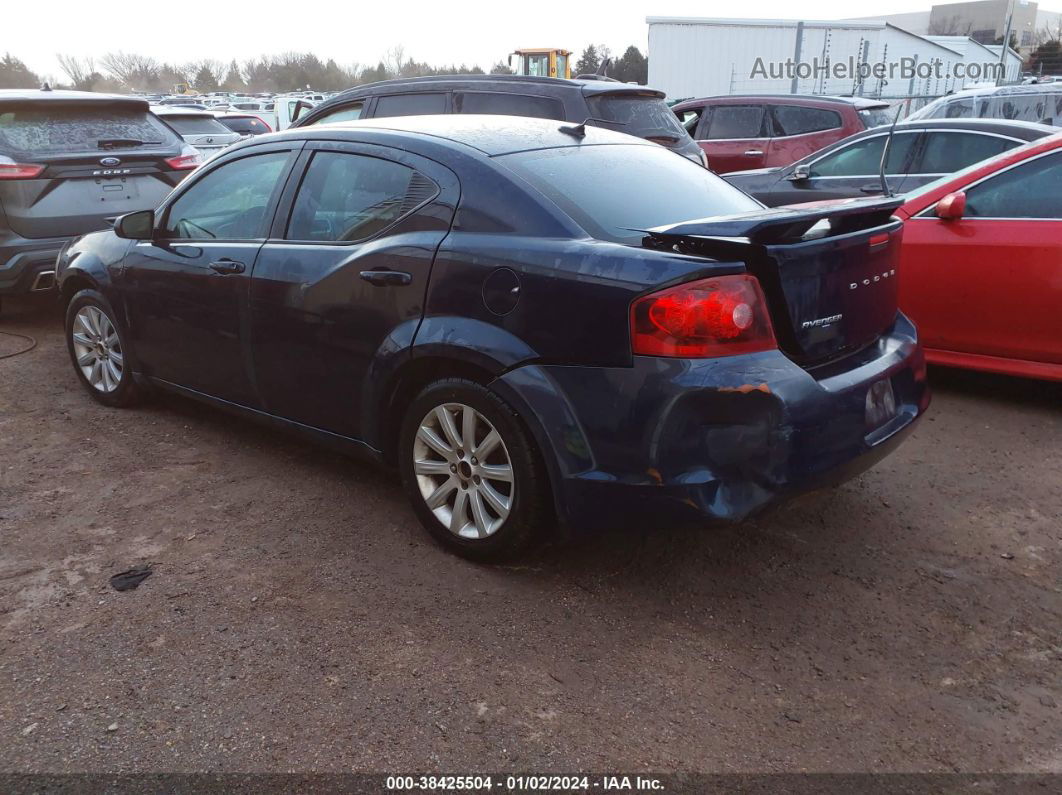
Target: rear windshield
{"x": 246, "y": 126}
{"x": 613, "y": 191}
{"x": 643, "y": 116}
{"x": 196, "y": 125}
{"x": 61, "y": 130}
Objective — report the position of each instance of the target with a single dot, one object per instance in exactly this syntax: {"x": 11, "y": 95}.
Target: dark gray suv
{"x": 632, "y": 109}
{"x": 70, "y": 161}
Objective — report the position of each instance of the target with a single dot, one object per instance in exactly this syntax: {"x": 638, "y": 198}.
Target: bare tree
{"x": 132, "y": 70}
{"x": 80, "y": 71}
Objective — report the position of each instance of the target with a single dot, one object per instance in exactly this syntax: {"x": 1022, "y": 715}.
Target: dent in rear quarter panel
{"x": 94, "y": 257}
{"x": 574, "y": 296}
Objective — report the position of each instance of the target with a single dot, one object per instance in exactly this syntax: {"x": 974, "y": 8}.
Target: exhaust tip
{"x": 45, "y": 281}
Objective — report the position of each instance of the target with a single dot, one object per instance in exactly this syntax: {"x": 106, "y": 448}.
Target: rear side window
{"x": 494, "y": 102}
{"x": 347, "y": 113}
{"x": 614, "y": 191}
{"x": 736, "y": 121}
{"x": 643, "y": 116}
{"x": 196, "y": 125}
{"x": 410, "y": 104}
{"x": 863, "y": 158}
{"x": 348, "y": 197}
{"x": 946, "y": 152}
{"x": 796, "y": 120}
{"x": 50, "y": 130}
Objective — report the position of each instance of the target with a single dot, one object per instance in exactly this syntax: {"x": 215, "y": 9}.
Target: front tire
{"x": 98, "y": 350}
{"x": 472, "y": 472}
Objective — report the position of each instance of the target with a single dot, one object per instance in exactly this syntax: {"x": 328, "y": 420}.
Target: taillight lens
{"x": 185, "y": 162}
{"x": 720, "y": 316}
{"x": 9, "y": 169}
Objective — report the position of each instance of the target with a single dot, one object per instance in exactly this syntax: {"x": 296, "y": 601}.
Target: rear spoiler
{"x": 777, "y": 225}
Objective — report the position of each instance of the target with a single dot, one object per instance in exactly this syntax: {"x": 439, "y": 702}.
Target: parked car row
{"x": 528, "y": 295}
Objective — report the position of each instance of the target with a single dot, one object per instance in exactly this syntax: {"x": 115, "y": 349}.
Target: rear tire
{"x": 472, "y": 472}
{"x": 98, "y": 350}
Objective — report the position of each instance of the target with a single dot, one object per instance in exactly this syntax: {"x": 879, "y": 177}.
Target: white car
{"x": 198, "y": 128}
{"x": 1040, "y": 103}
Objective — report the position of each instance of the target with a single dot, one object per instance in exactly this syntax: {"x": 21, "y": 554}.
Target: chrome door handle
{"x": 387, "y": 278}
{"x": 753, "y": 153}
{"x": 227, "y": 266}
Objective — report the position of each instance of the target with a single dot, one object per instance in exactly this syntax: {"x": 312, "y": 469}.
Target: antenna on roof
{"x": 579, "y": 130}
{"x": 885, "y": 189}
{"x": 46, "y": 87}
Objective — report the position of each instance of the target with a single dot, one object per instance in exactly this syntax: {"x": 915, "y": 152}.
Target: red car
{"x": 738, "y": 133}
{"x": 981, "y": 263}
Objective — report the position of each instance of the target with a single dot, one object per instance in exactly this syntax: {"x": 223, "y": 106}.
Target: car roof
{"x": 1035, "y": 88}
{"x": 490, "y": 134}
{"x": 1028, "y": 130}
{"x": 443, "y": 82}
{"x": 176, "y": 110}
{"x": 788, "y": 99}
{"x": 39, "y": 95}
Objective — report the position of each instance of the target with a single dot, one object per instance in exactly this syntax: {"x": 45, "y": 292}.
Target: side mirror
{"x": 800, "y": 173}
{"x": 136, "y": 226}
{"x": 951, "y": 207}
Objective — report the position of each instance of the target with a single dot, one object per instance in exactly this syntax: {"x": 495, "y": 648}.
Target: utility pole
{"x": 1006, "y": 45}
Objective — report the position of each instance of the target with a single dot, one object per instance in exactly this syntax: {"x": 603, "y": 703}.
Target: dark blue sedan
{"x": 533, "y": 321}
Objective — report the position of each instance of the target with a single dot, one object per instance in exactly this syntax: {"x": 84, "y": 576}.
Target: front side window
{"x": 797, "y": 120}
{"x": 947, "y": 152}
{"x": 348, "y": 197}
{"x": 1030, "y": 190}
{"x": 228, "y": 203}
{"x": 410, "y": 104}
{"x": 346, "y": 113}
{"x": 736, "y": 121}
{"x": 863, "y": 158}
{"x": 497, "y": 103}
{"x": 615, "y": 190}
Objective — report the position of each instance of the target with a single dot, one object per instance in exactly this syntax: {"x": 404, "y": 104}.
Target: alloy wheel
{"x": 463, "y": 470}
{"x": 97, "y": 349}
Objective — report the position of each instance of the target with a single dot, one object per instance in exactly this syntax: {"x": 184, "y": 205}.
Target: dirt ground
{"x": 299, "y": 619}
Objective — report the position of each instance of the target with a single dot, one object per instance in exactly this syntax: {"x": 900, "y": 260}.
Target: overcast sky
{"x": 472, "y": 31}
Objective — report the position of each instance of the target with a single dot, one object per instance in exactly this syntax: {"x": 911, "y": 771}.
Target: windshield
{"x": 613, "y": 191}
{"x": 60, "y": 130}
{"x": 876, "y": 117}
{"x": 640, "y": 115}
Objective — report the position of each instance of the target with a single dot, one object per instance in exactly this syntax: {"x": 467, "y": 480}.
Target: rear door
{"x": 344, "y": 276}
{"x": 799, "y": 131}
{"x": 186, "y": 290}
{"x": 86, "y": 162}
{"x": 735, "y": 137}
{"x": 943, "y": 152}
{"x": 991, "y": 282}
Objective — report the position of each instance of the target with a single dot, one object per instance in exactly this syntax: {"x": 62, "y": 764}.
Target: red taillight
{"x": 185, "y": 162}
{"x": 20, "y": 171}
{"x": 721, "y": 316}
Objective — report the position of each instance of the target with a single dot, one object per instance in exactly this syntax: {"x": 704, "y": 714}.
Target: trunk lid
{"x": 828, "y": 270}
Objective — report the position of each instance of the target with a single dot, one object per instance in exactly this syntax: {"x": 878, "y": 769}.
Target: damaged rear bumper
{"x": 715, "y": 439}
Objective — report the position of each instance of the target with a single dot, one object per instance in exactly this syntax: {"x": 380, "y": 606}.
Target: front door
{"x": 991, "y": 282}
{"x": 734, "y": 137}
{"x": 186, "y": 290}
{"x": 344, "y": 277}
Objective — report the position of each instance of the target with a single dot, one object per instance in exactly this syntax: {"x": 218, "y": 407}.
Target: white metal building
{"x": 699, "y": 57}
